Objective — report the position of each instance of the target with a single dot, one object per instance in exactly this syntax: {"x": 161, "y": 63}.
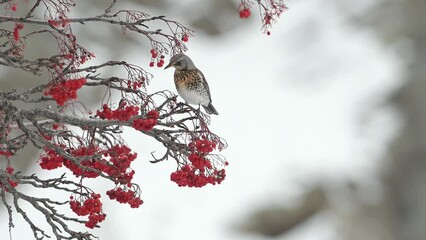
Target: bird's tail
{"x": 210, "y": 109}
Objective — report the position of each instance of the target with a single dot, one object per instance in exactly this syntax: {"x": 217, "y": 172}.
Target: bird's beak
{"x": 169, "y": 65}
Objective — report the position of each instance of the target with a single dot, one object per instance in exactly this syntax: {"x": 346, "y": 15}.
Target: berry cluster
{"x": 87, "y": 164}
{"x": 153, "y": 114}
{"x": 121, "y": 157}
{"x": 47, "y": 137}
{"x": 122, "y": 113}
{"x": 270, "y": 11}
{"x": 136, "y": 84}
{"x": 18, "y": 27}
{"x": 65, "y": 90}
{"x": 91, "y": 206}
{"x": 199, "y": 171}
{"x": 192, "y": 176}
{"x": 61, "y": 22}
{"x": 245, "y": 13}
{"x": 199, "y": 162}
{"x": 125, "y": 196}
{"x": 155, "y": 56}
{"x": 202, "y": 146}
{"x": 116, "y": 162}
{"x": 9, "y": 170}
{"x": 148, "y": 123}
{"x": 5, "y": 153}
{"x": 51, "y": 160}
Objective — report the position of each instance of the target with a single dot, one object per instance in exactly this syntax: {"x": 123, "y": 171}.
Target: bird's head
{"x": 181, "y": 62}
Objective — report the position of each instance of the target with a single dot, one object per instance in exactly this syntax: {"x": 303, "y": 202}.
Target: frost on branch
{"x": 84, "y": 143}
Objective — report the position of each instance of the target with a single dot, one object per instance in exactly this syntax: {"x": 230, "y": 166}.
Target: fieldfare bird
{"x": 191, "y": 83}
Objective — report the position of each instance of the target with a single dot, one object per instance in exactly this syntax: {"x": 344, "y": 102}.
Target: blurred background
{"x": 325, "y": 121}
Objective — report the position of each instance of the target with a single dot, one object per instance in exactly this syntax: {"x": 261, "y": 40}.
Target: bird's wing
{"x": 206, "y": 85}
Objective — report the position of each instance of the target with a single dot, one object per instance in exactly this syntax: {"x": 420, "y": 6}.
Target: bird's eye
{"x": 178, "y": 63}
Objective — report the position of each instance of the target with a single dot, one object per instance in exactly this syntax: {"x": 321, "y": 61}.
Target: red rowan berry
{"x": 185, "y": 38}
{"x": 9, "y": 170}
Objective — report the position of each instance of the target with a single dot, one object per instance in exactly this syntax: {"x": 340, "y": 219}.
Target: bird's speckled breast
{"x": 187, "y": 79}
{"x": 191, "y": 87}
